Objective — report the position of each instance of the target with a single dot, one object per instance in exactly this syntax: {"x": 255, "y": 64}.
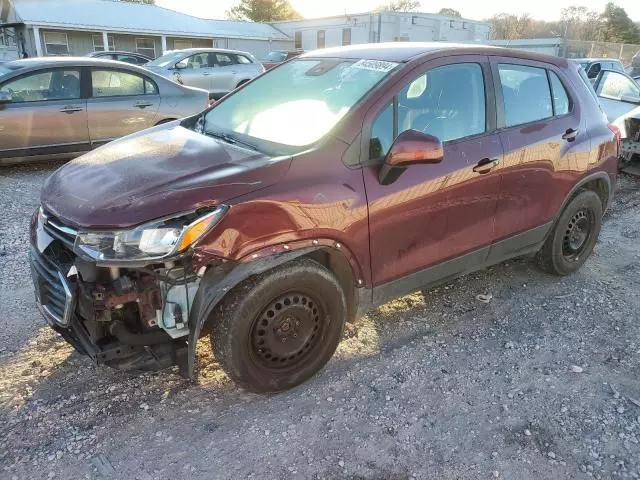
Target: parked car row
{"x": 341, "y": 179}
{"x": 62, "y": 106}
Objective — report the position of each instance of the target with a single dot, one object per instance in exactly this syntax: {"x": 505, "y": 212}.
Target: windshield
{"x": 166, "y": 59}
{"x": 298, "y": 103}
{"x": 276, "y": 56}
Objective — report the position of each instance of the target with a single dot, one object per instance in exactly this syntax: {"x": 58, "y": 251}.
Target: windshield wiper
{"x": 232, "y": 139}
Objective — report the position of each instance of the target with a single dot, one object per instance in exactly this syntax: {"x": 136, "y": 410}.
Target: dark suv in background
{"x": 268, "y": 221}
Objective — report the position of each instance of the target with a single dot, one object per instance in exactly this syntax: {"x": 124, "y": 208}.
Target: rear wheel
{"x": 574, "y": 235}
{"x": 277, "y": 329}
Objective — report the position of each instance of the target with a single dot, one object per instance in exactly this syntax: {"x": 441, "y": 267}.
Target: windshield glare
{"x": 298, "y": 103}
{"x": 166, "y": 60}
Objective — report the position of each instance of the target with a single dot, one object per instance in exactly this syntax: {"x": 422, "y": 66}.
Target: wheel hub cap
{"x": 286, "y": 330}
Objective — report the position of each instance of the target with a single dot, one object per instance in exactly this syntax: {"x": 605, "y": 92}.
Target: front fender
{"x": 218, "y": 281}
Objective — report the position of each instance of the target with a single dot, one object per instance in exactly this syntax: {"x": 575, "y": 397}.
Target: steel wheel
{"x": 287, "y": 330}
{"x": 576, "y": 234}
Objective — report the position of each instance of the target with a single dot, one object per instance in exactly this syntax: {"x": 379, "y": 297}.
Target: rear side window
{"x": 526, "y": 94}
{"x": 561, "y": 101}
{"x": 115, "y": 83}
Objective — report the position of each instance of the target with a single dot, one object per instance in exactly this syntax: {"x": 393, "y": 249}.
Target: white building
{"x": 309, "y": 34}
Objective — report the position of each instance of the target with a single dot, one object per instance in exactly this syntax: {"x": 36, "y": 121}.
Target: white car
{"x": 216, "y": 70}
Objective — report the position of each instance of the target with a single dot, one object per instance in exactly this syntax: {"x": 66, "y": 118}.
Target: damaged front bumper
{"x": 124, "y": 317}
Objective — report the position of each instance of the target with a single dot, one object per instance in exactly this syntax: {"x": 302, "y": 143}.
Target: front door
{"x": 121, "y": 102}
{"x": 440, "y": 212}
{"x": 542, "y": 137}
{"x": 225, "y": 72}
{"x": 46, "y": 114}
{"x": 196, "y": 70}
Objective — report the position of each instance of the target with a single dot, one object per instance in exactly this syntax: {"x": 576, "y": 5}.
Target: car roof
{"x": 591, "y": 60}
{"x": 408, "y": 51}
{"x": 208, "y": 49}
{"x": 26, "y": 64}
{"x": 118, "y": 52}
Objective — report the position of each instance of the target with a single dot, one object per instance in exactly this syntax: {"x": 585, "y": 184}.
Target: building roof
{"x": 116, "y": 16}
{"x": 433, "y": 16}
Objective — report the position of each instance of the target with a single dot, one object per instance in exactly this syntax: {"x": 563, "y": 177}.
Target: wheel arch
{"x": 598, "y": 182}
{"x": 219, "y": 280}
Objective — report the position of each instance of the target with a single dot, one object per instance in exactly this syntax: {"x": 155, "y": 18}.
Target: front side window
{"x": 526, "y": 94}
{"x": 49, "y": 85}
{"x": 561, "y": 101}
{"x": 199, "y": 60}
{"x": 447, "y": 102}
{"x": 306, "y": 99}
{"x": 56, "y": 43}
{"x": 115, "y": 83}
{"x": 614, "y": 86}
{"x": 146, "y": 46}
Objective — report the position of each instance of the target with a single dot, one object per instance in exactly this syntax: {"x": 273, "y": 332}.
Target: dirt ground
{"x": 541, "y": 382}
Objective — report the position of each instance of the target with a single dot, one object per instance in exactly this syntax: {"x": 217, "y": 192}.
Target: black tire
{"x": 277, "y": 329}
{"x": 574, "y": 235}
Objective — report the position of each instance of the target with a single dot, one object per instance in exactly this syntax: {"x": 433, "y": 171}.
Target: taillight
{"x": 618, "y": 134}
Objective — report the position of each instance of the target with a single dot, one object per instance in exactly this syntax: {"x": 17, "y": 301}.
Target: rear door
{"x": 46, "y": 114}
{"x": 541, "y": 135}
{"x": 225, "y": 73}
{"x": 433, "y": 213}
{"x": 121, "y": 102}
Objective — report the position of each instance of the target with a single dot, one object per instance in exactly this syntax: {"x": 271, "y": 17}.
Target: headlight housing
{"x": 152, "y": 241}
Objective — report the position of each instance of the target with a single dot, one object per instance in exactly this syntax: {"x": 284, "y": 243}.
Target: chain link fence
{"x": 585, "y": 49}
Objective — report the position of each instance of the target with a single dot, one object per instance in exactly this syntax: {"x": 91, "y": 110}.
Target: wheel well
{"x": 337, "y": 264}
{"x": 599, "y": 186}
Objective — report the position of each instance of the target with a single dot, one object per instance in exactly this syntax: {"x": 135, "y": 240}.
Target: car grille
{"x": 53, "y": 291}
{"x": 58, "y": 231}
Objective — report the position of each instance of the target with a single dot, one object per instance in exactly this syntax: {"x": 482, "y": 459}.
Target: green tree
{"x": 505, "y": 26}
{"x": 580, "y": 23}
{"x": 449, "y": 12}
{"x": 399, "y": 6}
{"x": 617, "y": 26}
{"x": 263, "y": 11}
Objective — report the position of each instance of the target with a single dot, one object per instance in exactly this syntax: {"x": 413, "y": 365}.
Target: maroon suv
{"x": 329, "y": 185}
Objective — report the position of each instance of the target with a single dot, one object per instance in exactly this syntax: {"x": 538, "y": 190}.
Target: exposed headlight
{"x": 152, "y": 241}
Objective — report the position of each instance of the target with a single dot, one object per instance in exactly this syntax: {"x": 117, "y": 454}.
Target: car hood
{"x": 159, "y": 172}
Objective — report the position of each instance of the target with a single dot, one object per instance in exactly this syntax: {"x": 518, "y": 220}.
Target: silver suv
{"x": 216, "y": 70}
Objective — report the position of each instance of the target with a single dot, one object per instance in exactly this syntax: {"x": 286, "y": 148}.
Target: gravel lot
{"x": 540, "y": 382}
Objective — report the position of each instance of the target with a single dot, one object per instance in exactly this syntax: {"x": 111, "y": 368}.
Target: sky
{"x": 477, "y": 10}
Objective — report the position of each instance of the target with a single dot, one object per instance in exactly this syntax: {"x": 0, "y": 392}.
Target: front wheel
{"x": 277, "y": 329}
{"x": 574, "y": 235}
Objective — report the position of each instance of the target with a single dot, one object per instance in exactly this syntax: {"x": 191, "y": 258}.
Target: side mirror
{"x": 5, "y": 97}
{"x": 181, "y": 65}
{"x": 411, "y": 147}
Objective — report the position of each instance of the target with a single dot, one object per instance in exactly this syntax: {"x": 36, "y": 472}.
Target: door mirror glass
{"x": 411, "y": 147}
{"x": 182, "y": 64}
{"x": 5, "y": 97}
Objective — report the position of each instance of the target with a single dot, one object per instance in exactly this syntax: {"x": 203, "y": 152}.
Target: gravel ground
{"x": 540, "y": 382}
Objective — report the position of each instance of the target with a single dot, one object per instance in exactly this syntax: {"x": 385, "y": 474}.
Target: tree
{"x": 505, "y": 26}
{"x": 449, "y": 12}
{"x": 399, "y": 6}
{"x": 263, "y": 11}
{"x": 580, "y": 23}
{"x": 617, "y": 26}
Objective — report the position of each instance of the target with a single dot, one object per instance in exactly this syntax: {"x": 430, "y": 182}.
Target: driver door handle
{"x": 485, "y": 165}
{"x": 143, "y": 104}
{"x": 570, "y": 134}
{"x": 71, "y": 109}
